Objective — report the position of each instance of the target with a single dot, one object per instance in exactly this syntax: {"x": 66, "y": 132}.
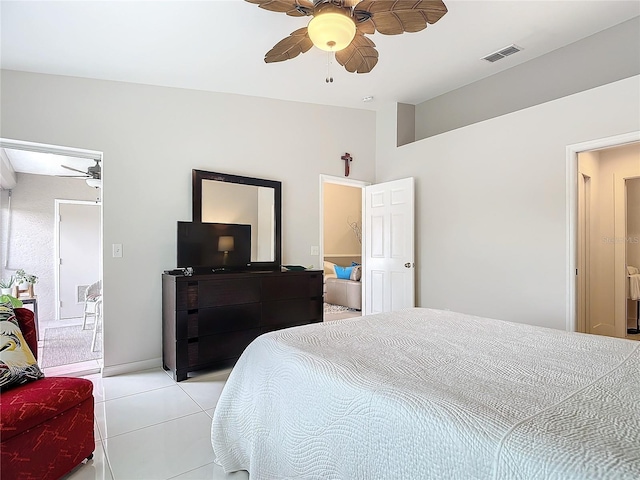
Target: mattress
{"x": 429, "y": 394}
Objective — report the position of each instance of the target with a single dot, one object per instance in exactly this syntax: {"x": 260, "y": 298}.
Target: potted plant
{"x": 25, "y": 281}
{"x": 7, "y": 285}
{"x": 15, "y": 303}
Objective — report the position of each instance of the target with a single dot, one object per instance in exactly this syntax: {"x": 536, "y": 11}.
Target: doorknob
{"x": 409, "y": 265}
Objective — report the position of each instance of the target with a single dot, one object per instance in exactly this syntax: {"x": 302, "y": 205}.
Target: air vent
{"x": 80, "y": 293}
{"x": 500, "y": 54}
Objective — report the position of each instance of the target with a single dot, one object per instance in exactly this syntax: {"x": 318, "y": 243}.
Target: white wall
{"x": 32, "y": 246}
{"x": 602, "y": 58}
{"x": 491, "y": 202}
{"x": 151, "y": 138}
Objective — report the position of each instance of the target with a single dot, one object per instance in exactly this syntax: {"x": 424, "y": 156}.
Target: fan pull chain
{"x": 329, "y": 78}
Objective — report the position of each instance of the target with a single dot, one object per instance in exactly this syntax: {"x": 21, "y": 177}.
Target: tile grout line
{"x": 192, "y": 470}
{"x": 132, "y": 394}
{"x": 107, "y": 460}
{"x": 151, "y": 425}
{"x": 195, "y": 401}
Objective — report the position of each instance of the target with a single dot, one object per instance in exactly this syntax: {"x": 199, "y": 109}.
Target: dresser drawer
{"x": 218, "y": 348}
{"x": 209, "y": 321}
{"x": 186, "y": 295}
{"x": 291, "y": 312}
{"x": 292, "y": 286}
{"x": 231, "y": 291}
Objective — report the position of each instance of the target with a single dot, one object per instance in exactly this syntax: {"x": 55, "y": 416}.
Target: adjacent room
{"x": 320, "y": 239}
{"x": 51, "y": 235}
{"x": 342, "y": 249}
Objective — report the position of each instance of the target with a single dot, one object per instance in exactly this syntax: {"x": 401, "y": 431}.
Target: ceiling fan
{"x": 340, "y": 26}
{"x": 93, "y": 175}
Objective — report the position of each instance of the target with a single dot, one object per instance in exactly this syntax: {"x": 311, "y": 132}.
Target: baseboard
{"x": 110, "y": 371}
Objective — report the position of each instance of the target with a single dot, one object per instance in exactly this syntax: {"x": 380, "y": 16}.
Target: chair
{"x": 96, "y": 322}
{"x": 92, "y": 303}
{"x": 46, "y": 425}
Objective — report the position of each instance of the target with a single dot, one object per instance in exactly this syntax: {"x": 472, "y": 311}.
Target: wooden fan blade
{"x": 74, "y": 169}
{"x": 292, "y": 46}
{"x": 391, "y": 17}
{"x": 360, "y": 56}
{"x": 366, "y": 27}
{"x": 294, "y": 8}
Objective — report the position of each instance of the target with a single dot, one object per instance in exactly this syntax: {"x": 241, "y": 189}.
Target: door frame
{"x": 56, "y": 241}
{"x": 348, "y": 182}
{"x": 572, "y": 152}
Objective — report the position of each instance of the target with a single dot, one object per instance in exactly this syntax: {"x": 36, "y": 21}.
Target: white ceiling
{"x": 40, "y": 163}
{"x": 219, "y": 45}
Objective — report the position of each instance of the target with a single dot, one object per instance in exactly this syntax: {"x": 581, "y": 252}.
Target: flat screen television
{"x": 211, "y": 247}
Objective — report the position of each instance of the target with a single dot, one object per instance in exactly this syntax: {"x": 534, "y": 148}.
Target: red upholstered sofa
{"x": 46, "y": 426}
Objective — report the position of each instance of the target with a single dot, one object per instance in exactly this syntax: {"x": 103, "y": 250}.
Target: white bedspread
{"x": 428, "y": 394}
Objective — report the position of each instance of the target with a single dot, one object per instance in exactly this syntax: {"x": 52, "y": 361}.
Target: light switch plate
{"x": 117, "y": 250}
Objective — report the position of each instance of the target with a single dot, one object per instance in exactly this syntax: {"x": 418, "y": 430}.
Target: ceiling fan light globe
{"x": 94, "y": 182}
{"x": 331, "y": 31}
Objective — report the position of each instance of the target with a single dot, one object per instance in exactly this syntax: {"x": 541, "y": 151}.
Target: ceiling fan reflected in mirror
{"x": 93, "y": 175}
{"x": 340, "y": 26}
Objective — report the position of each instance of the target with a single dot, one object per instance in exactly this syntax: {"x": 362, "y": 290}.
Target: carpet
{"x": 66, "y": 345}
{"x": 330, "y": 308}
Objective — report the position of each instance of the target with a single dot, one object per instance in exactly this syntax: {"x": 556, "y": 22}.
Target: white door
{"x": 79, "y": 247}
{"x": 584, "y": 252}
{"x": 389, "y": 278}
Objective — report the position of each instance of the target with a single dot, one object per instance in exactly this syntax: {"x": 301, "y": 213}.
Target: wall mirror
{"x": 232, "y": 199}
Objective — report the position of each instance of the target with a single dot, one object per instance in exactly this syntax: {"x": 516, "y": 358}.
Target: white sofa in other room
{"x": 345, "y": 292}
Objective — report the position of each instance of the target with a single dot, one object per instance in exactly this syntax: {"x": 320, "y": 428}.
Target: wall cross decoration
{"x": 347, "y": 158}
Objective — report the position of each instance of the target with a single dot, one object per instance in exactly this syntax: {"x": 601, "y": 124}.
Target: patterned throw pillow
{"x": 356, "y": 273}
{"x": 17, "y": 363}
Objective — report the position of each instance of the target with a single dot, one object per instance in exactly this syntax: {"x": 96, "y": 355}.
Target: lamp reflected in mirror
{"x": 226, "y": 245}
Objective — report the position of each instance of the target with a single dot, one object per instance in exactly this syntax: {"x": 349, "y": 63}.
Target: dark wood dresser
{"x": 208, "y": 320}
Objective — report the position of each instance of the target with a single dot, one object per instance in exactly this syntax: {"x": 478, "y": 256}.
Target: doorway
{"x": 341, "y": 246}
{"x": 30, "y": 209}
{"x": 78, "y": 247}
{"x": 606, "y": 238}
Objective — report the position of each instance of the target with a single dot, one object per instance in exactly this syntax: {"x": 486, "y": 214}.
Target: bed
{"x": 429, "y": 394}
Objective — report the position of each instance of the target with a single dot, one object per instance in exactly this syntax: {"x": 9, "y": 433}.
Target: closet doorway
{"x": 341, "y": 230}
{"x": 608, "y": 240}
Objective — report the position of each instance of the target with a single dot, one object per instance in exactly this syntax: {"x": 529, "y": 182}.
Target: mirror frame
{"x": 199, "y": 175}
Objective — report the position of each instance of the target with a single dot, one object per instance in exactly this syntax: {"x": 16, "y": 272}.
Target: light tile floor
{"x": 149, "y": 427}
